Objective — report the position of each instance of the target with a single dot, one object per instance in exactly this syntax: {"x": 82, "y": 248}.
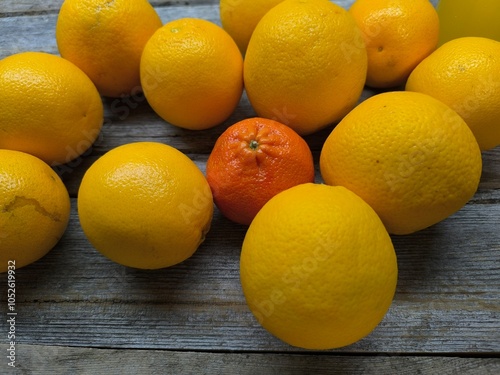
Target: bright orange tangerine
{"x": 252, "y": 161}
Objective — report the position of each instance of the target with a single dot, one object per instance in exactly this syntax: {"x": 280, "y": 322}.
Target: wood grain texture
{"x": 192, "y": 318}
{"x": 20, "y": 7}
{"x": 86, "y": 361}
{"x": 447, "y": 298}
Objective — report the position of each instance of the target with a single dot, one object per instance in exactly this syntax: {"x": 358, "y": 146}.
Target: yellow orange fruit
{"x": 145, "y": 205}
{"x": 305, "y": 64}
{"x": 408, "y": 155}
{"x": 239, "y": 18}
{"x": 464, "y": 73}
{"x": 192, "y": 73}
{"x": 252, "y": 161}
{"x": 49, "y": 109}
{"x": 105, "y": 39}
{"x": 468, "y": 18}
{"x": 34, "y": 209}
{"x": 398, "y": 35}
{"x": 318, "y": 268}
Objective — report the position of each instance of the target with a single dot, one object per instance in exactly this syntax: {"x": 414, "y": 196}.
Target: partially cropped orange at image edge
{"x": 464, "y": 73}
{"x": 49, "y": 107}
{"x": 34, "y": 209}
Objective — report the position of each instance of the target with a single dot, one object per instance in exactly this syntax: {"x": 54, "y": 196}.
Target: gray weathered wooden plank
{"x": 447, "y": 298}
{"x": 408, "y": 329}
{"x": 440, "y": 259}
{"x": 134, "y": 121}
{"x": 490, "y": 177}
{"x": 62, "y": 360}
{"x": 16, "y": 7}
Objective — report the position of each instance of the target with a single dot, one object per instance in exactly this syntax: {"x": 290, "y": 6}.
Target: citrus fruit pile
{"x": 318, "y": 267}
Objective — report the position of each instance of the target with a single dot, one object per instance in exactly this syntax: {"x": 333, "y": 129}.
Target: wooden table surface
{"x": 79, "y": 313}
